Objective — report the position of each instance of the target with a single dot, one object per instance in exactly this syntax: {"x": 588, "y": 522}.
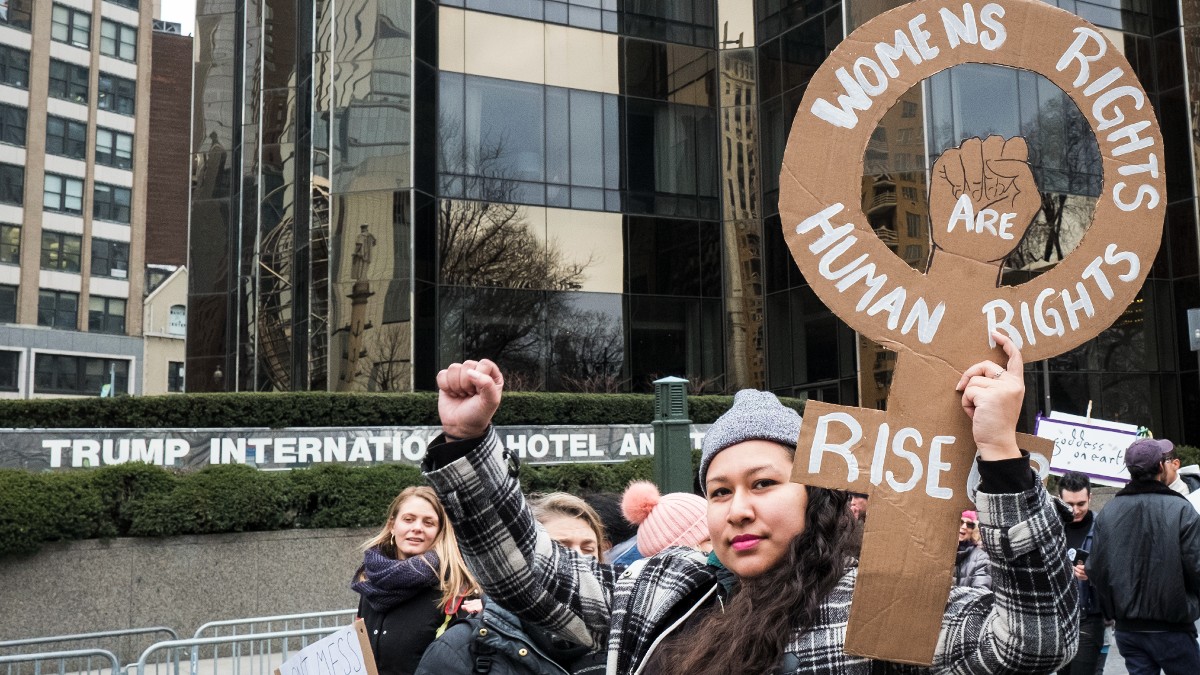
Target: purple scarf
{"x": 390, "y": 582}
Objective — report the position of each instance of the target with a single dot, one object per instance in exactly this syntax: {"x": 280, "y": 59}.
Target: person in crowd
{"x": 621, "y": 534}
{"x": 676, "y": 519}
{"x": 1145, "y": 565}
{"x": 570, "y": 522}
{"x": 774, "y": 595}
{"x": 971, "y": 567}
{"x": 1075, "y": 490}
{"x": 411, "y": 582}
{"x": 858, "y": 505}
{"x": 497, "y": 641}
{"x": 1183, "y": 479}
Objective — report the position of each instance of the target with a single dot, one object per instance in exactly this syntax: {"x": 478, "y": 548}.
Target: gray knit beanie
{"x": 755, "y": 415}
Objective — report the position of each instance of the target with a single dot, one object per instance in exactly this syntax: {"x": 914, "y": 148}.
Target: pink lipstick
{"x": 745, "y": 542}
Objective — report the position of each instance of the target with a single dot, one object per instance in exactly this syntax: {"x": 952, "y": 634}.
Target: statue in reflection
{"x": 360, "y": 260}
{"x": 211, "y": 169}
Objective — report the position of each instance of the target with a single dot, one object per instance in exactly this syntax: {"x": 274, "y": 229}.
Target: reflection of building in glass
{"x": 741, "y": 216}
{"x": 894, "y": 201}
{"x": 587, "y": 193}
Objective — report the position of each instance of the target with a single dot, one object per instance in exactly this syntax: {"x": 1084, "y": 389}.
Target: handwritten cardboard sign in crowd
{"x": 915, "y": 459}
{"x": 1090, "y": 446}
{"x": 346, "y": 651}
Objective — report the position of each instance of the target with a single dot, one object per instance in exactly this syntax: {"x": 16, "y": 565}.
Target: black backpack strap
{"x": 481, "y": 653}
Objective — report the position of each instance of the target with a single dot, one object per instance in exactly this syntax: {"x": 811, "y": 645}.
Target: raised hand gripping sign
{"x": 915, "y": 459}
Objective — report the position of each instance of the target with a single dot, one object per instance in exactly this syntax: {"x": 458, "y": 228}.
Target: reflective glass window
{"x": 175, "y": 376}
{"x": 685, "y": 21}
{"x": 484, "y": 243}
{"x": 505, "y": 325}
{"x": 70, "y": 25}
{"x": 12, "y": 124}
{"x": 504, "y": 129}
{"x": 110, "y": 202}
{"x": 668, "y": 72}
{"x": 78, "y": 375}
{"x": 663, "y": 256}
{"x": 119, "y": 40}
{"x": 61, "y": 252}
{"x": 559, "y": 130}
{"x": 114, "y": 148}
{"x": 66, "y": 137}
{"x": 10, "y": 244}
{"x": 106, "y": 315}
{"x": 12, "y": 184}
{"x": 10, "y": 363}
{"x": 131, "y": 4}
{"x": 587, "y": 139}
{"x": 586, "y": 343}
{"x": 110, "y": 259}
{"x": 57, "y": 309}
{"x": 675, "y": 335}
{"x": 63, "y": 193}
{"x": 14, "y": 67}
{"x": 16, "y": 13}
{"x": 801, "y": 51}
{"x": 116, "y": 94}
{"x": 451, "y": 134}
{"x": 8, "y": 303}
{"x": 68, "y": 81}
{"x": 664, "y": 142}
{"x": 504, "y": 140}
{"x": 589, "y": 14}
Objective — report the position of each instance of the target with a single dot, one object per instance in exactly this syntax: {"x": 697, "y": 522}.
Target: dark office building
{"x": 586, "y": 192}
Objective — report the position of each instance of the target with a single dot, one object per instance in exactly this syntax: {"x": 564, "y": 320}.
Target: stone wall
{"x": 179, "y": 582}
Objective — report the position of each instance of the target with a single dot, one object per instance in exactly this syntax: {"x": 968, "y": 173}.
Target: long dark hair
{"x": 753, "y": 632}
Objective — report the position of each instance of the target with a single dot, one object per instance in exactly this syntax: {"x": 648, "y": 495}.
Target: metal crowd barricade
{"x": 81, "y": 661}
{"x": 246, "y": 654}
{"x": 80, "y": 637}
{"x": 19, "y": 661}
{"x": 265, "y": 624}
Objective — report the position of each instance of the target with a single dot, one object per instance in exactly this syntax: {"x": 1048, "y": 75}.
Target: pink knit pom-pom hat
{"x": 676, "y": 519}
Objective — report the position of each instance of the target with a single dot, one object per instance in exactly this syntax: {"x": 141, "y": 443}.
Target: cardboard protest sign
{"x": 1091, "y": 446}
{"x": 344, "y": 652}
{"x": 915, "y": 459}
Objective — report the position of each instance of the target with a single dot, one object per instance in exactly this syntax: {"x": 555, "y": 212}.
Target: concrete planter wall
{"x": 179, "y": 582}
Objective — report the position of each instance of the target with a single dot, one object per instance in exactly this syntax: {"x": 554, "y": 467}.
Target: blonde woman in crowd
{"x": 412, "y": 580}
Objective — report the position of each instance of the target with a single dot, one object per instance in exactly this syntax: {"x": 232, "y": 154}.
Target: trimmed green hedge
{"x": 142, "y": 500}
{"x": 324, "y": 409}
{"x": 1187, "y": 455}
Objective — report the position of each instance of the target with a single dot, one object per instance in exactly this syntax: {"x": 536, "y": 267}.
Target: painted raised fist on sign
{"x": 982, "y": 198}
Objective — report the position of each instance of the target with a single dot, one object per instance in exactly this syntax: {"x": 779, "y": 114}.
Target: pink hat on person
{"x": 676, "y": 519}
{"x": 971, "y": 516}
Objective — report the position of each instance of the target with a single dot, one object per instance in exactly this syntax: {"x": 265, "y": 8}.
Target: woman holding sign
{"x": 411, "y": 582}
{"x": 774, "y": 595}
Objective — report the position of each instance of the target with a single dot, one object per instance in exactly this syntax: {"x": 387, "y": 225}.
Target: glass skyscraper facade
{"x": 586, "y": 192}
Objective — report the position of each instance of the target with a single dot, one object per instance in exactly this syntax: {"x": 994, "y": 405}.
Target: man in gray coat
{"x": 1145, "y": 566}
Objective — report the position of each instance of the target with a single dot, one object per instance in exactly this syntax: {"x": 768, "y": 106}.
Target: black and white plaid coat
{"x": 1027, "y": 624}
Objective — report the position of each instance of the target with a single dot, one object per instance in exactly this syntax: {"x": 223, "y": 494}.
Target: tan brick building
{"x": 75, "y": 93}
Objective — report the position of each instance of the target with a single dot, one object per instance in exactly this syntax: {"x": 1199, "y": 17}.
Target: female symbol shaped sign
{"x": 982, "y": 197}
{"x": 949, "y": 312}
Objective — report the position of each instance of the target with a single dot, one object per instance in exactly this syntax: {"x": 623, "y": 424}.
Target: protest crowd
{"x": 756, "y": 574}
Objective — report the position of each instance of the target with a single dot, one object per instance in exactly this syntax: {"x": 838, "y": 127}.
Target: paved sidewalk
{"x": 1115, "y": 665}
